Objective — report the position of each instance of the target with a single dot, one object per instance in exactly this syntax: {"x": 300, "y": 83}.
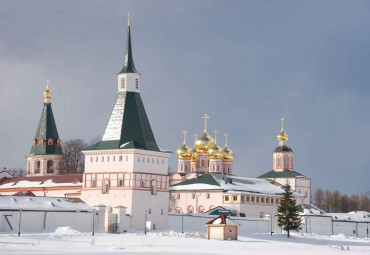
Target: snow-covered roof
{"x": 15, "y": 203}
{"x": 231, "y": 184}
{"x": 356, "y": 216}
{"x": 43, "y": 181}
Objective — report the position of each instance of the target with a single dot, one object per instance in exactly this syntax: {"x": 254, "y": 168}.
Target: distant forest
{"x": 334, "y": 202}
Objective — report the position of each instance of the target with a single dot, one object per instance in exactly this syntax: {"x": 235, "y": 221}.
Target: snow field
{"x": 65, "y": 240}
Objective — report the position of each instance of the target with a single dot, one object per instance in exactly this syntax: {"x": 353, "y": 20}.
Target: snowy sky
{"x": 245, "y": 63}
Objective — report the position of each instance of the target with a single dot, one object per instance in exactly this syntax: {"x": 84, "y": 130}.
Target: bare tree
{"x": 327, "y": 206}
{"x": 172, "y": 202}
{"x": 15, "y": 172}
{"x": 365, "y": 203}
{"x": 73, "y": 158}
{"x": 344, "y": 203}
{"x": 335, "y": 201}
{"x": 354, "y": 203}
{"x": 95, "y": 139}
{"x": 319, "y": 197}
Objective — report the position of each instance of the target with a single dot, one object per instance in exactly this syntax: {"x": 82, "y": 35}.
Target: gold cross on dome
{"x": 195, "y": 136}
{"x": 128, "y": 18}
{"x": 215, "y": 132}
{"x": 205, "y": 117}
{"x": 282, "y": 123}
{"x": 226, "y": 135}
{"x": 185, "y": 133}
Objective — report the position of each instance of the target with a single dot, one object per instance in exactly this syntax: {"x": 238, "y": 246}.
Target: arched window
{"x": 122, "y": 83}
{"x": 50, "y": 141}
{"x": 178, "y": 209}
{"x": 218, "y": 167}
{"x": 50, "y": 167}
{"x": 153, "y": 187}
{"x": 108, "y": 158}
{"x": 41, "y": 142}
{"x": 286, "y": 162}
{"x": 105, "y": 187}
{"x": 58, "y": 142}
{"x": 102, "y": 158}
{"x": 91, "y": 159}
{"x": 97, "y": 159}
{"x": 279, "y": 162}
{"x": 201, "y": 209}
{"x": 291, "y": 162}
{"x": 37, "y": 166}
{"x": 190, "y": 209}
{"x": 34, "y": 142}
{"x": 120, "y": 158}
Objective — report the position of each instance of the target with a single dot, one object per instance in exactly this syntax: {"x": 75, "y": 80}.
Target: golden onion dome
{"x": 228, "y": 155}
{"x": 184, "y": 152}
{"x": 204, "y": 142}
{"x": 282, "y": 136}
{"x": 215, "y": 152}
{"x": 47, "y": 93}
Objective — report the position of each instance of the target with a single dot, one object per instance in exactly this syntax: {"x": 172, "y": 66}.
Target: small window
{"x": 41, "y": 142}
{"x": 114, "y": 158}
{"x": 246, "y": 198}
{"x": 193, "y": 196}
{"x": 93, "y": 184}
{"x": 242, "y": 198}
{"x": 161, "y": 211}
{"x": 143, "y": 184}
{"x": 50, "y": 141}
{"x": 34, "y": 142}
{"x": 102, "y": 159}
{"x": 150, "y": 211}
{"x": 276, "y": 200}
{"x": 91, "y": 159}
{"x": 137, "y": 83}
{"x": 97, "y": 159}
{"x": 105, "y": 189}
{"x": 252, "y": 199}
{"x": 257, "y": 199}
{"x": 154, "y": 187}
{"x": 178, "y": 196}
{"x": 208, "y": 196}
{"x": 226, "y": 198}
{"x": 126, "y": 158}
{"x": 148, "y": 159}
{"x": 235, "y": 198}
{"x": 58, "y": 142}
{"x": 120, "y": 158}
{"x": 162, "y": 161}
{"x": 120, "y": 183}
{"x": 122, "y": 83}
{"x": 138, "y": 159}
{"x": 108, "y": 158}
{"x": 262, "y": 199}
{"x": 152, "y": 160}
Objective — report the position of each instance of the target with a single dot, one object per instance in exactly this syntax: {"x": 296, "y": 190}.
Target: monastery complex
{"x": 126, "y": 173}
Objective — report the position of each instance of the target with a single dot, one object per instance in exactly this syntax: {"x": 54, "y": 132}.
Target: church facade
{"x": 198, "y": 189}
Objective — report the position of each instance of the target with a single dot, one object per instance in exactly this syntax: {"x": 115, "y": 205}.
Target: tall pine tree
{"x": 287, "y": 212}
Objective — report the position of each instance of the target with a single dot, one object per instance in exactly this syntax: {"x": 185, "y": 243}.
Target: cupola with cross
{"x": 184, "y": 154}
{"x": 283, "y": 155}
{"x": 46, "y": 150}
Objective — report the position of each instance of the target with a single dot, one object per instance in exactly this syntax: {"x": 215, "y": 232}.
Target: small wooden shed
{"x": 222, "y": 228}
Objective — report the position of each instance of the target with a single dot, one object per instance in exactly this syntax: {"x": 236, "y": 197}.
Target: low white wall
{"x": 196, "y": 222}
{"x": 37, "y": 221}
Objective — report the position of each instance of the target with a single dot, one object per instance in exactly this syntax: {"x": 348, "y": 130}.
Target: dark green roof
{"x": 46, "y": 129}
{"x": 204, "y": 179}
{"x": 283, "y": 149}
{"x": 280, "y": 174}
{"x": 128, "y": 66}
{"x": 135, "y": 131}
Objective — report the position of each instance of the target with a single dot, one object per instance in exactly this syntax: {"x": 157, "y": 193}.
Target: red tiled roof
{"x": 223, "y": 219}
{"x": 68, "y": 178}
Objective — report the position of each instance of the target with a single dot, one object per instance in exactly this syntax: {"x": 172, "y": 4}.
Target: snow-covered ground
{"x": 68, "y": 241}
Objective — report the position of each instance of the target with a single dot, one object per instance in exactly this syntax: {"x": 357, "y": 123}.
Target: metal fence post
{"x": 19, "y": 223}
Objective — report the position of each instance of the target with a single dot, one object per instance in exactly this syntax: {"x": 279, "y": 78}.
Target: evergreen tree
{"x": 288, "y": 216}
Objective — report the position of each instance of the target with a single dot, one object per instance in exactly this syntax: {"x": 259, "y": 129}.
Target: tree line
{"x": 335, "y": 202}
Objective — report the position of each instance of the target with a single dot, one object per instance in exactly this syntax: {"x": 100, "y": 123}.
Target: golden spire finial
{"x": 226, "y": 135}
{"x": 282, "y": 123}
{"x": 195, "y": 136}
{"x": 215, "y": 132}
{"x": 47, "y": 93}
{"x": 184, "y": 133}
{"x": 205, "y": 117}
{"x": 128, "y": 18}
